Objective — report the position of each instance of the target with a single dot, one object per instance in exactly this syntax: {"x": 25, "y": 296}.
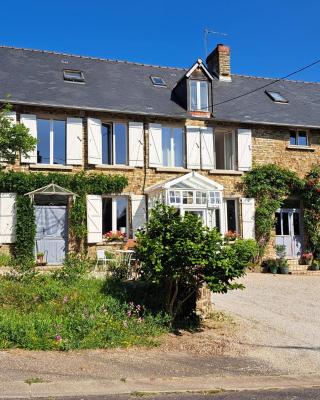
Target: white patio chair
{"x": 101, "y": 259}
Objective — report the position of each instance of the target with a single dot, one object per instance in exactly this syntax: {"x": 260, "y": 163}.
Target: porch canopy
{"x": 51, "y": 190}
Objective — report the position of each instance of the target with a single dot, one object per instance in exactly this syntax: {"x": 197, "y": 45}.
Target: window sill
{"x": 51, "y": 166}
{"x": 121, "y": 167}
{"x": 225, "y": 172}
{"x": 172, "y": 169}
{"x": 297, "y": 147}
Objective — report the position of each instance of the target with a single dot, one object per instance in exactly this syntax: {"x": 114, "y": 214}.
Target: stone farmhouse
{"x": 180, "y": 135}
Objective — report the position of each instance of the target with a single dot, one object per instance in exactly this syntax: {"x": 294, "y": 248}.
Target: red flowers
{"x": 113, "y": 236}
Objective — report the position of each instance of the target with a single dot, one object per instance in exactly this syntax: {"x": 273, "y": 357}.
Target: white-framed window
{"x": 225, "y": 149}
{"x": 115, "y": 214}
{"x": 194, "y": 197}
{"x": 51, "y": 147}
{"x": 114, "y": 143}
{"x": 298, "y": 138}
{"x": 172, "y": 146}
{"x": 198, "y": 93}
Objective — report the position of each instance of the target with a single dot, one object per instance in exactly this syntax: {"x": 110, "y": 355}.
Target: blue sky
{"x": 267, "y": 38}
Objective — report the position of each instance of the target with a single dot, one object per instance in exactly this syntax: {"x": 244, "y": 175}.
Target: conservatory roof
{"x": 190, "y": 181}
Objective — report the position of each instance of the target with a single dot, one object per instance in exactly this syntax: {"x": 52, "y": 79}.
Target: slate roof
{"x": 35, "y": 78}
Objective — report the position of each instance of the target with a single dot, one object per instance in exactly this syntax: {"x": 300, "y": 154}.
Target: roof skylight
{"x": 158, "y": 81}
{"x": 73, "y": 75}
{"x": 276, "y": 97}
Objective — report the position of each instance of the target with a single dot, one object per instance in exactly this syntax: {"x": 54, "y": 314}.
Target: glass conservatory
{"x": 191, "y": 193}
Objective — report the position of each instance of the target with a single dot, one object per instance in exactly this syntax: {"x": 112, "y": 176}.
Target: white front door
{"x": 289, "y": 231}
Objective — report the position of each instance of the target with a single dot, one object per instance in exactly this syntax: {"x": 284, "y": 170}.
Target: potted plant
{"x": 273, "y": 266}
{"x": 114, "y": 236}
{"x": 40, "y": 258}
{"x": 307, "y": 257}
{"x": 281, "y": 261}
{"x": 315, "y": 266}
{"x": 231, "y": 236}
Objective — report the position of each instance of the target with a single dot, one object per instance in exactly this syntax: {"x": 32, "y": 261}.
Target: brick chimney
{"x": 218, "y": 62}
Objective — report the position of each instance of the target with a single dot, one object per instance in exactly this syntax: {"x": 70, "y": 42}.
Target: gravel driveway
{"x": 280, "y": 317}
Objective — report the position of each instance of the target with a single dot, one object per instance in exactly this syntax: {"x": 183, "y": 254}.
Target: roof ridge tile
{"x": 90, "y": 57}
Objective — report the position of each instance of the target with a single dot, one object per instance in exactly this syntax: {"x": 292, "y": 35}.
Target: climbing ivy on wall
{"x": 269, "y": 185}
{"x": 311, "y": 213}
{"x": 80, "y": 183}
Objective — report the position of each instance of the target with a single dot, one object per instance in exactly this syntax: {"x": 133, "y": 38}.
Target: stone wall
{"x": 269, "y": 145}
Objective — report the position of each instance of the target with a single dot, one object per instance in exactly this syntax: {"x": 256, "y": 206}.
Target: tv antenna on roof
{"x": 210, "y": 32}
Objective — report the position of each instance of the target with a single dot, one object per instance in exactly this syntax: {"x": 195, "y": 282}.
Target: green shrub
{"x": 180, "y": 254}
{"x": 75, "y": 266}
{"x": 46, "y": 313}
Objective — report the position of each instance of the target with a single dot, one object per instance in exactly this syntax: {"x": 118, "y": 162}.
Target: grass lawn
{"x": 45, "y": 313}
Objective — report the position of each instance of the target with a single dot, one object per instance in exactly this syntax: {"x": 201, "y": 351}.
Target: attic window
{"x": 72, "y": 75}
{"x": 158, "y": 81}
{"x": 276, "y": 97}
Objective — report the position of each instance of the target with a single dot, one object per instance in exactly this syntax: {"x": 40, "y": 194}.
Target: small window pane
{"x": 120, "y": 143}
{"x": 174, "y": 197}
{"x": 217, "y": 222}
{"x": 293, "y": 138}
{"x": 278, "y": 224}
{"x": 122, "y": 215}
{"x": 166, "y": 146}
{"x": 285, "y": 223}
{"x": 106, "y": 144}
{"x": 43, "y": 136}
{"x": 106, "y": 215}
{"x": 193, "y": 95}
{"x": 302, "y": 138}
{"x": 215, "y": 198}
{"x": 59, "y": 142}
{"x": 178, "y": 147}
{"x": 201, "y": 197}
{"x": 203, "y": 95}
{"x": 228, "y": 150}
{"x": 187, "y": 197}
{"x": 231, "y": 215}
{"x": 296, "y": 223}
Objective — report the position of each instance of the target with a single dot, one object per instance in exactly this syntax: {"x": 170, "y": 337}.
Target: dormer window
{"x": 198, "y": 95}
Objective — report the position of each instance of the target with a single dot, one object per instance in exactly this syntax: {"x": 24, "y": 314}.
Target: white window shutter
{"x": 74, "y": 141}
{"x": 207, "y": 150}
{"x": 193, "y": 147}
{"x": 94, "y": 218}
{"x": 244, "y": 149}
{"x": 155, "y": 145}
{"x": 248, "y": 214}
{"x": 94, "y": 141}
{"x": 7, "y": 217}
{"x": 13, "y": 116}
{"x": 30, "y": 121}
{"x": 138, "y": 209}
{"x": 136, "y": 142}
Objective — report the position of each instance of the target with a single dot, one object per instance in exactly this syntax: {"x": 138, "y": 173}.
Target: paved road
{"x": 281, "y": 319}
{"x": 303, "y": 394}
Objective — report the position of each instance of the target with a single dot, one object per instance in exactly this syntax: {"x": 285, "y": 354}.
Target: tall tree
{"x": 14, "y": 138}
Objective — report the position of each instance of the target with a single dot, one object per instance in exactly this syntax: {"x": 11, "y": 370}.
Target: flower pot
{"x": 315, "y": 267}
{"x": 273, "y": 269}
{"x": 284, "y": 270}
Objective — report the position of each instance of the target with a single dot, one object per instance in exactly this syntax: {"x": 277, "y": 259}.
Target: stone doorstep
{"x": 306, "y": 272}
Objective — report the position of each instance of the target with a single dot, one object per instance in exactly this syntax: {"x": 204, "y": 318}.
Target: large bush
{"x": 180, "y": 255}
